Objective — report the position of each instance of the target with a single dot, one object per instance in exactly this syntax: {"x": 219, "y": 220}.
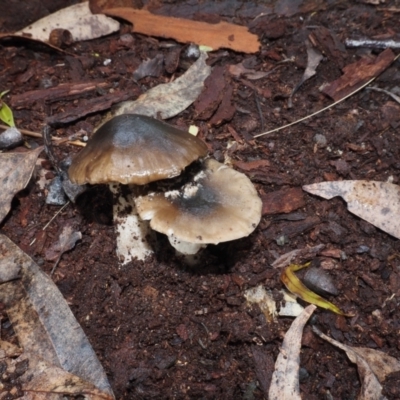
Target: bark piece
{"x": 282, "y": 201}
{"x": 358, "y": 73}
{"x": 88, "y": 107}
{"x": 65, "y": 91}
{"x": 328, "y": 43}
{"x": 210, "y": 98}
{"x": 216, "y": 36}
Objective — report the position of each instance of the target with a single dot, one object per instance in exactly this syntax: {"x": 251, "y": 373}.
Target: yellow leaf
{"x": 295, "y": 286}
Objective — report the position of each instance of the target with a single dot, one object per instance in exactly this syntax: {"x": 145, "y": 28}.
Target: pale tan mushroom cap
{"x": 135, "y": 149}
{"x": 221, "y": 205}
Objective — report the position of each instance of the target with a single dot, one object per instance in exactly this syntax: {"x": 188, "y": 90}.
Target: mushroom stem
{"x": 132, "y": 231}
{"x": 188, "y": 251}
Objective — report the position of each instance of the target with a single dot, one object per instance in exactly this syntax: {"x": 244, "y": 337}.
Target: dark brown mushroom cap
{"x": 135, "y": 149}
{"x": 220, "y": 205}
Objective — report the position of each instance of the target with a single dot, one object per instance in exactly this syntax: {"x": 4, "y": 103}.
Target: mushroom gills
{"x": 219, "y": 205}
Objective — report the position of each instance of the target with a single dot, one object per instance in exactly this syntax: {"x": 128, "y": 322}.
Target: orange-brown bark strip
{"x": 216, "y": 36}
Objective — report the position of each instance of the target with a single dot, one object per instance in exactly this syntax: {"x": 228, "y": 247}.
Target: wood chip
{"x": 282, "y": 201}
{"x": 358, "y": 73}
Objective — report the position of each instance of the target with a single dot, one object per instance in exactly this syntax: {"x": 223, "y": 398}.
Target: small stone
{"x": 56, "y": 195}
{"x": 319, "y": 281}
{"x": 320, "y": 140}
{"x": 303, "y": 375}
{"x": 72, "y": 190}
{"x": 362, "y": 249}
{"x": 192, "y": 51}
{"x": 10, "y": 138}
{"x": 282, "y": 240}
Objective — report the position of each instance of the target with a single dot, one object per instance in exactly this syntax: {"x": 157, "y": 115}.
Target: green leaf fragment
{"x": 6, "y": 115}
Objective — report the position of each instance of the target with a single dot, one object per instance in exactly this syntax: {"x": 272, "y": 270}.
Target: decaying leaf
{"x": 43, "y": 322}
{"x": 285, "y": 379}
{"x": 298, "y": 255}
{"x": 373, "y": 366}
{"x": 264, "y": 299}
{"x": 52, "y": 382}
{"x": 215, "y": 36}
{"x": 295, "y": 286}
{"x": 77, "y": 19}
{"x": 258, "y": 295}
{"x": 15, "y": 172}
{"x": 150, "y": 67}
{"x": 169, "y": 99}
{"x": 375, "y": 202}
{"x": 66, "y": 242}
{"x": 357, "y": 74}
{"x": 314, "y": 57}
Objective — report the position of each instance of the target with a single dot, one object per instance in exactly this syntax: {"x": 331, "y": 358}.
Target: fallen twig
{"x": 322, "y": 110}
{"x": 392, "y": 95}
{"x": 375, "y": 44}
{"x": 24, "y": 131}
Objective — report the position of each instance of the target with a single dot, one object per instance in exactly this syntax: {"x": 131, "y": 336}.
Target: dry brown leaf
{"x": 381, "y": 363}
{"x": 371, "y": 389}
{"x": 169, "y": 99}
{"x": 66, "y": 241}
{"x": 375, "y": 202}
{"x": 15, "y": 172}
{"x": 285, "y": 379}
{"x": 314, "y": 57}
{"x": 42, "y": 320}
{"x": 77, "y": 19}
{"x": 358, "y": 73}
{"x": 298, "y": 255}
{"x": 216, "y": 36}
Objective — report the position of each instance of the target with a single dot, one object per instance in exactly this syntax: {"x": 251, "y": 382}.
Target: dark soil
{"x": 165, "y": 331}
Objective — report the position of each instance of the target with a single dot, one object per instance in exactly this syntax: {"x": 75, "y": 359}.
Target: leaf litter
{"x": 295, "y": 286}
{"x": 15, "y": 172}
{"x": 66, "y": 241}
{"x": 46, "y": 329}
{"x": 77, "y": 19}
{"x": 285, "y": 379}
{"x": 373, "y": 366}
{"x": 169, "y": 99}
{"x": 375, "y": 202}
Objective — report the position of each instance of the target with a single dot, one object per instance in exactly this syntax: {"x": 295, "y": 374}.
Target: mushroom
{"x": 220, "y": 205}
{"x": 133, "y": 149}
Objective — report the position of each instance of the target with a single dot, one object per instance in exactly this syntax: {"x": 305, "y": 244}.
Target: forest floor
{"x": 166, "y": 331}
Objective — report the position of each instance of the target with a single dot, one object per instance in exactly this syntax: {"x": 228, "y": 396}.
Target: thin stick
{"x": 52, "y": 219}
{"x": 55, "y": 215}
{"x": 316, "y": 113}
{"x": 24, "y": 131}
{"x": 323, "y": 109}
